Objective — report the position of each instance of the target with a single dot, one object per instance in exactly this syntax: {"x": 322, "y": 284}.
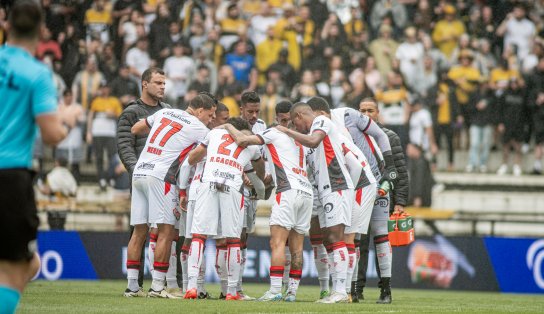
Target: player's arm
{"x": 259, "y": 166}
{"x": 141, "y": 127}
{"x": 309, "y": 140}
{"x": 51, "y": 128}
{"x": 197, "y": 154}
{"x": 242, "y": 139}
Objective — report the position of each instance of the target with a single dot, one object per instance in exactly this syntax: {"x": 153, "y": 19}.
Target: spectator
{"x": 287, "y": 30}
{"x": 410, "y": 55}
{"x": 425, "y": 80}
{"x": 101, "y": 129}
{"x": 48, "y": 45}
{"x": 124, "y": 87}
{"x": 511, "y": 125}
{"x": 233, "y": 95}
{"x": 230, "y": 26}
{"x": 518, "y": 31}
{"x": 440, "y": 63}
{"x": 388, "y": 8}
{"x": 285, "y": 69}
{"x": 358, "y": 92}
{"x": 180, "y": 70}
{"x": 131, "y": 27}
{"x": 261, "y": 24}
{"x": 202, "y": 79}
{"x": 535, "y": 100}
{"x": 161, "y": 47}
{"x": 87, "y": 82}
{"x": 444, "y": 113}
{"x": 384, "y": 50}
{"x": 71, "y": 56}
{"x": 482, "y": 110}
{"x": 268, "y": 103}
{"x": 98, "y": 20}
{"x": 333, "y": 38}
{"x": 500, "y": 77}
{"x": 71, "y": 148}
{"x": 337, "y": 81}
{"x": 485, "y": 60}
{"x": 447, "y": 31}
{"x": 306, "y": 89}
{"x": 243, "y": 66}
{"x": 393, "y": 104}
{"x": 421, "y": 146}
{"x": 465, "y": 78}
{"x": 137, "y": 58}
{"x": 201, "y": 60}
{"x": 108, "y": 63}
{"x": 268, "y": 51}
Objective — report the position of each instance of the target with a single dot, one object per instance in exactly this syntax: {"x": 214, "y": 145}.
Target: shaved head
{"x": 302, "y": 117}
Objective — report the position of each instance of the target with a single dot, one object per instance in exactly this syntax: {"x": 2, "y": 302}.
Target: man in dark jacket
{"x": 399, "y": 198}
{"x": 130, "y": 146}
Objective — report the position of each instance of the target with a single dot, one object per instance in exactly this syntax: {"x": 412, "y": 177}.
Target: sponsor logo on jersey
{"x": 223, "y": 175}
{"x": 146, "y": 166}
{"x": 177, "y": 116}
{"x": 382, "y": 202}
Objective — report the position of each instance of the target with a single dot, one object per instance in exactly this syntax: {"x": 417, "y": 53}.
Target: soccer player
{"x": 334, "y": 185}
{"x": 378, "y": 223}
{"x": 190, "y": 177}
{"x": 365, "y": 135}
{"x": 219, "y": 205}
{"x": 28, "y": 100}
{"x": 249, "y": 111}
{"x": 172, "y": 135}
{"x": 291, "y": 213}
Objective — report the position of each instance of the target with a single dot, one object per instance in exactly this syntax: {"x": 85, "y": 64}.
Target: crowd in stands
{"x": 475, "y": 67}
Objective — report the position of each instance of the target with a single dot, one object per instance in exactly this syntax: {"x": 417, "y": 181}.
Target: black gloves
{"x": 390, "y": 173}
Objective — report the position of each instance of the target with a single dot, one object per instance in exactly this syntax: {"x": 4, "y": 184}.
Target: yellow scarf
{"x": 85, "y": 77}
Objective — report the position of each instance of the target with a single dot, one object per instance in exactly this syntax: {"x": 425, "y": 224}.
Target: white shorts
{"x": 292, "y": 210}
{"x": 250, "y": 207}
{"x": 336, "y": 209}
{"x": 362, "y": 209}
{"x": 316, "y": 205}
{"x": 218, "y": 209}
{"x": 154, "y": 202}
{"x": 381, "y": 208}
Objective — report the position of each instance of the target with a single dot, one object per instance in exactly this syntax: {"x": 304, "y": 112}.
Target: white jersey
{"x": 331, "y": 174}
{"x": 357, "y": 164}
{"x": 288, "y": 159}
{"x": 173, "y": 135}
{"x": 258, "y": 127}
{"x": 225, "y": 160}
{"x": 190, "y": 177}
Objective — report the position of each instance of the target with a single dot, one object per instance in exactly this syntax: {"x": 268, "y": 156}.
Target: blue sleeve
{"x": 44, "y": 94}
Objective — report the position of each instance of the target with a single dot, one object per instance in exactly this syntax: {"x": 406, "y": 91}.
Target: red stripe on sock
{"x": 130, "y": 262}
{"x": 153, "y": 237}
{"x": 221, "y": 247}
{"x": 339, "y": 245}
{"x": 381, "y": 239}
{"x": 185, "y": 249}
{"x": 329, "y": 248}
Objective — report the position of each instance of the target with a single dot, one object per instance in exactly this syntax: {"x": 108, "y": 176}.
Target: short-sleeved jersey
{"x": 196, "y": 179}
{"x": 225, "y": 160}
{"x": 355, "y": 124}
{"x": 174, "y": 133}
{"x": 27, "y": 91}
{"x": 331, "y": 174}
{"x": 288, "y": 159}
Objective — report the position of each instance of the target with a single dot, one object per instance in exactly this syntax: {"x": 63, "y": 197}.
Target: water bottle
{"x": 384, "y": 188}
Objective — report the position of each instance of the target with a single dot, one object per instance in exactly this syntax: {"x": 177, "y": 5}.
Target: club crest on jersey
{"x": 328, "y": 207}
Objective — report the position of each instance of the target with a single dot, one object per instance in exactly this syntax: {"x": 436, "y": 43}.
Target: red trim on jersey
{"x": 340, "y": 192}
{"x": 359, "y": 196}
{"x": 167, "y": 187}
{"x": 369, "y": 141}
{"x": 242, "y": 204}
{"x": 329, "y": 150}
{"x": 278, "y": 198}
{"x": 185, "y": 152}
{"x": 274, "y": 154}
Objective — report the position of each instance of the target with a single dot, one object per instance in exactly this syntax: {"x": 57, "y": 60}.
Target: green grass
{"x": 106, "y": 297}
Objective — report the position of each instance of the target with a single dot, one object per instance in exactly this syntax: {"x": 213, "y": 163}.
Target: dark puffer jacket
{"x": 400, "y": 191}
{"x": 130, "y": 146}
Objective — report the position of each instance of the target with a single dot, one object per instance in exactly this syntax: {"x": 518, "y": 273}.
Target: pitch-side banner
{"x": 457, "y": 263}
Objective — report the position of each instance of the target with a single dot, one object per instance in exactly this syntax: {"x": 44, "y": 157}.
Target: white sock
{"x": 332, "y": 270}
{"x": 171, "y": 279}
{"x": 234, "y": 259}
{"x": 201, "y": 280}
{"x": 159, "y": 275}
{"x": 352, "y": 259}
{"x": 243, "y": 253}
{"x": 356, "y": 268}
{"x": 195, "y": 260}
{"x": 384, "y": 253}
{"x": 321, "y": 261}
{"x": 184, "y": 257}
{"x": 276, "y": 276}
{"x": 294, "y": 281}
{"x": 221, "y": 267}
{"x": 151, "y": 251}
{"x": 340, "y": 256}
{"x": 133, "y": 268}
{"x": 287, "y": 268}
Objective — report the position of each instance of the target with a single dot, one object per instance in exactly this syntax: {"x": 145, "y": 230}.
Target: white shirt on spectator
{"x": 520, "y": 33}
{"x": 180, "y": 70}
{"x": 259, "y": 25}
{"x": 138, "y": 59}
{"x": 410, "y": 56}
{"x": 419, "y": 121}
{"x": 131, "y": 33}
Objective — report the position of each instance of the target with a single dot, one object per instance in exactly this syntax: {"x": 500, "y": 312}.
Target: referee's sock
{"x": 9, "y": 299}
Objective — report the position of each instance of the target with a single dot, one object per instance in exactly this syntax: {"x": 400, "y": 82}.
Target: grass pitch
{"x": 106, "y": 297}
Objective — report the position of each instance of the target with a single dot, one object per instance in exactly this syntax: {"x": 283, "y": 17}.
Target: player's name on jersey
{"x": 299, "y": 171}
{"x": 154, "y": 150}
{"x": 226, "y": 161}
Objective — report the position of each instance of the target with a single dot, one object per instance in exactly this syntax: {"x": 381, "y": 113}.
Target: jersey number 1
{"x": 227, "y": 140}
{"x": 175, "y": 128}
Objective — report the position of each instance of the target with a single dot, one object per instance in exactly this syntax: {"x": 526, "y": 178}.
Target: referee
{"x": 28, "y": 100}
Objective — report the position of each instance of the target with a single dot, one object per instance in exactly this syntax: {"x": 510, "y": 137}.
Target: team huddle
{"x": 202, "y": 172}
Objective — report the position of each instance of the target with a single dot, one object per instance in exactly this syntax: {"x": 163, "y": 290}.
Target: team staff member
{"x": 129, "y": 145}
{"x": 28, "y": 100}
{"x": 399, "y": 197}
